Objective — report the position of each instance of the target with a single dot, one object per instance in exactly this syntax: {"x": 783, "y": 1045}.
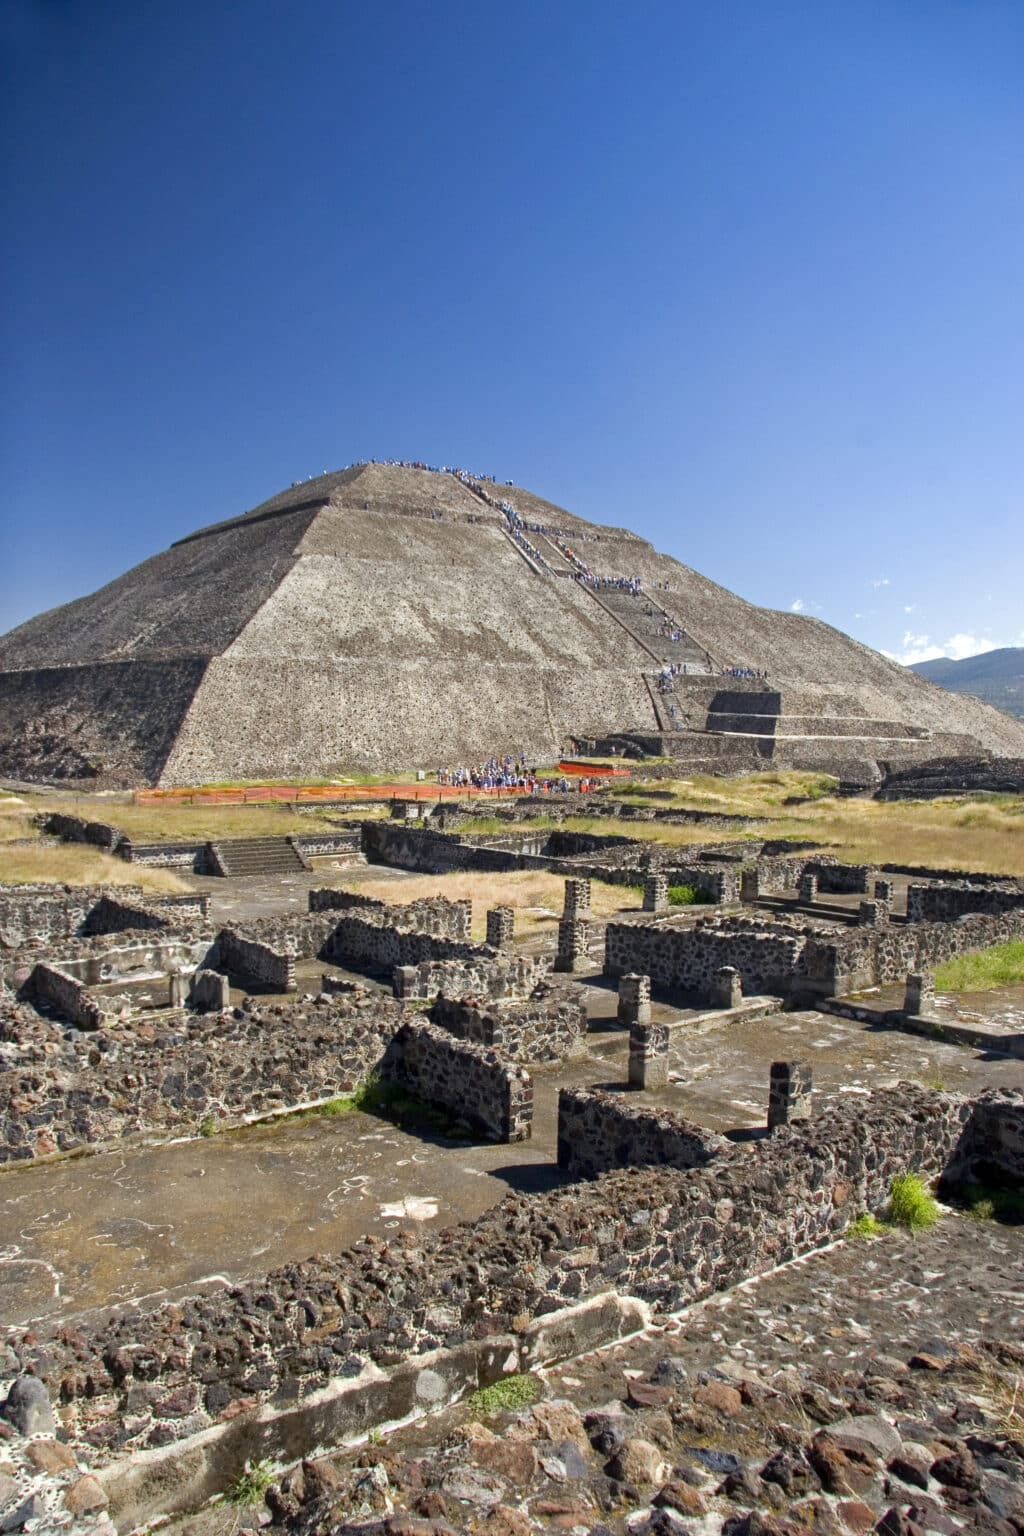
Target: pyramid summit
{"x": 389, "y": 615}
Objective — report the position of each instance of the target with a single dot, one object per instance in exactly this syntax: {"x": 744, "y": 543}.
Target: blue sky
{"x": 744, "y": 277}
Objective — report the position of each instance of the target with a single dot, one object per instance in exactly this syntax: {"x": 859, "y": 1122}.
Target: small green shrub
{"x": 687, "y": 895}
{"x": 250, "y": 1486}
{"x": 911, "y": 1204}
{"x": 511, "y": 1393}
{"x": 865, "y": 1227}
{"x": 208, "y": 1126}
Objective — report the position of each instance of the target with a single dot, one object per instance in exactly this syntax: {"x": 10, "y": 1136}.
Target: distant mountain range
{"x": 997, "y": 677}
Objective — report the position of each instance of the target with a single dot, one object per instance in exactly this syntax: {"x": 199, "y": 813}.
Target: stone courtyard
{"x": 504, "y": 1155}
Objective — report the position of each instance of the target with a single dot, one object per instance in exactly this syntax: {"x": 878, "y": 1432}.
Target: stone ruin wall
{"x": 61, "y": 1091}
{"x": 686, "y": 959}
{"x": 41, "y": 912}
{"x": 67, "y": 1094}
{"x": 550, "y": 1027}
{"x": 68, "y": 996}
{"x": 784, "y": 960}
{"x": 259, "y": 963}
{"x": 486, "y": 975}
{"x": 471, "y": 1081}
{"x": 945, "y": 903}
{"x": 117, "y": 913}
{"x": 600, "y": 1131}
{"x": 451, "y": 1298}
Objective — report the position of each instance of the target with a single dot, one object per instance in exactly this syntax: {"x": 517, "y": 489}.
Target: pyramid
{"x": 388, "y": 616}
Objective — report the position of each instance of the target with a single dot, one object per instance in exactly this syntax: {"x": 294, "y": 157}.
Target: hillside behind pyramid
{"x": 387, "y": 616}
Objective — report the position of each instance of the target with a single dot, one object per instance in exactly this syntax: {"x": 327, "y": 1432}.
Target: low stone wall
{"x": 318, "y": 845}
{"x": 503, "y": 976}
{"x": 197, "y": 857}
{"x": 112, "y": 914}
{"x": 686, "y": 958}
{"x": 72, "y": 829}
{"x": 365, "y": 940}
{"x": 66, "y": 995}
{"x": 470, "y": 1081}
{"x": 257, "y": 962}
{"x": 549, "y": 1027}
{"x": 328, "y": 899}
{"x": 600, "y": 1131}
{"x": 945, "y": 903}
{"x": 539, "y": 1276}
{"x": 220, "y": 1069}
{"x": 993, "y": 1153}
{"x": 43, "y": 912}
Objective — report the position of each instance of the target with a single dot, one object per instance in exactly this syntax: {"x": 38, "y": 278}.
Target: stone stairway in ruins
{"x": 647, "y": 622}
{"x": 240, "y": 857}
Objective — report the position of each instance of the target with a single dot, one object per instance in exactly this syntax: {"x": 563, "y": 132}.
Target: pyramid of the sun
{"x": 385, "y": 617}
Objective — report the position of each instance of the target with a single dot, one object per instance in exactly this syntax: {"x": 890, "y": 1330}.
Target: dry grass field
{"x": 26, "y": 860}
{"x": 984, "y": 832}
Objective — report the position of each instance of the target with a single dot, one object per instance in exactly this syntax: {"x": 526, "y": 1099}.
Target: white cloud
{"x": 879, "y": 581}
{"x": 959, "y": 646}
{"x": 797, "y": 605}
{"x": 909, "y": 607}
{"x": 917, "y": 648}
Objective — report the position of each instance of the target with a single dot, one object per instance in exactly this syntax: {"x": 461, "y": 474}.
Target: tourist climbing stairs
{"x": 239, "y": 857}
{"x": 657, "y": 632}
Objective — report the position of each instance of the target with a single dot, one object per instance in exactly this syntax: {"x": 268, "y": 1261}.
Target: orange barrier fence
{"x": 291, "y": 794}
{"x": 574, "y": 766}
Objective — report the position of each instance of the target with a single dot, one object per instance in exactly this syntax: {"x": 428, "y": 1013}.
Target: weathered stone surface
{"x": 28, "y": 1407}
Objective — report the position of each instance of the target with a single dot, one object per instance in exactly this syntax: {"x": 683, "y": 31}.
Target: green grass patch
{"x": 688, "y": 896}
{"x": 865, "y": 1228}
{"x": 250, "y": 1486}
{"x": 505, "y": 1396}
{"x": 911, "y": 1203}
{"x": 999, "y": 966}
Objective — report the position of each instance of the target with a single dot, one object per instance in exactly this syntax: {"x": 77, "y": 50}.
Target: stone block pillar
{"x": 750, "y": 885}
{"x": 807, "y": 889}
{"x": 648, "y": 1055}
{"x": 789, "y": 1093}
{"x": 177, "y": 989}
{"x": 405, "y": 981}
{"x": 726, "y": 988}
{"x": 883, "y": 891}
{"x": 500, "y": 927}
{"x": 210, "y": 992}
{"x": 919, "y": 996}
{"x": 634, "y": 1000}
{"x": 573, "y": 943}
{"x": 577, "y": 899}
{"x": 655, "y": 893}
{"x": 873, "y": 914}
